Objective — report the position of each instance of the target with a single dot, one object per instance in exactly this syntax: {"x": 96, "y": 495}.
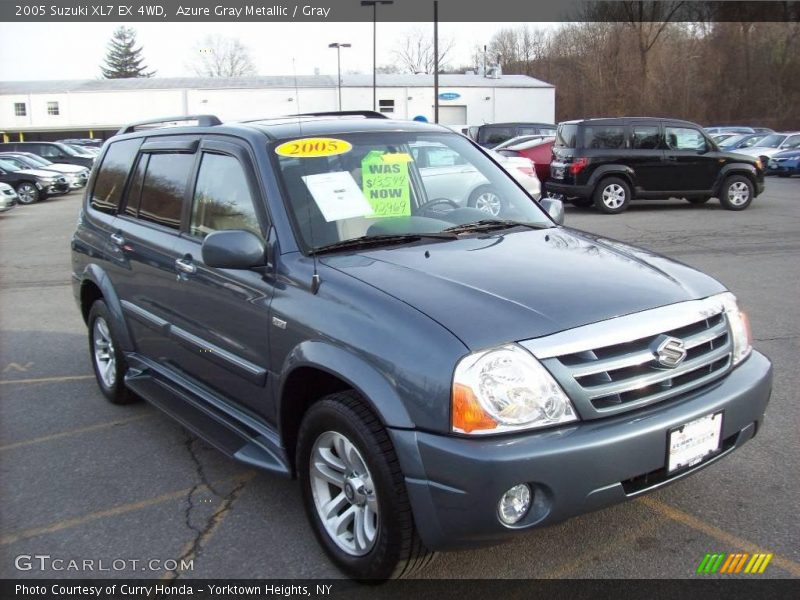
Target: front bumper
{"x": 55, "y": 188}
{"x": 455, "y": 483}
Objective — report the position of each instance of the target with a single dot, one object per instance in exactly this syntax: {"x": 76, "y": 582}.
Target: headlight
{"x": 506, "y": 389}
{"x": 740, "y": 327}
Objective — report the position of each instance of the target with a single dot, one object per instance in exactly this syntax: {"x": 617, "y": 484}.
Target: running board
{"x": 233, "y": 433}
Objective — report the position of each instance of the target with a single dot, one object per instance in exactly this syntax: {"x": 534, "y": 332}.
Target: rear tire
{"x": 378, "y": 539}
{"x": 612, "y": 195}
{"x": 107, "y": 359}
{"x": 736, "y": 192}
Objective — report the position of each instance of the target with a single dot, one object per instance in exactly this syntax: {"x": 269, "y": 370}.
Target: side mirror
{"x": 234, "y": 249}
{"x": 554, "y": 208}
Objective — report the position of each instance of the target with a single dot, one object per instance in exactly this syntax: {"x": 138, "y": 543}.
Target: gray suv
{"x": 436, "y": 377}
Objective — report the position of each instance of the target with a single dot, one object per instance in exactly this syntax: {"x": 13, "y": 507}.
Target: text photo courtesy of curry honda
{"x": 299, "y": 299}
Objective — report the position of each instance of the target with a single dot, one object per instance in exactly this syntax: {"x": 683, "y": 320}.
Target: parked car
{"x": 89, "y": 151}
{"x": 8, "y": 197}
{"x": 729, "y": 129}
{"x": 435, "y": 378}
{"x": 773, "y": 143}
{"x": 763, "y": 130}
{"x": 785, "y": 164}
{"x": 721, "y": 137}
{"x": 609, "y": 162}
{"x": 741, "y": 140}
{"x": 32, "y": 185}
{"x": 537, "y": 149}
{"x": 76, "y": 176}
{"x": 90, "y": 142}
{"x": 53, "y": 151}
{"x": 446, "y": 173}
{"x": 493, "y": 134}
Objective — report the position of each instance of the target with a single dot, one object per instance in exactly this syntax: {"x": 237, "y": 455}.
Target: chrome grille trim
{"x": 611, "y": 367}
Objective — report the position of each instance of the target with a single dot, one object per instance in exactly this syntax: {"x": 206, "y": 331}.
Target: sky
{"x": 75, "y": 50}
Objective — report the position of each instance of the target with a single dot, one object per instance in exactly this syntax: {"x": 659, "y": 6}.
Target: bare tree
{"x": 220, "y": 56}
{"x": 414, "y": 52}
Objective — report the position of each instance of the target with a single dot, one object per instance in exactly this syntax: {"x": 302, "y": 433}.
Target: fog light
{"x": 514, "y": 504}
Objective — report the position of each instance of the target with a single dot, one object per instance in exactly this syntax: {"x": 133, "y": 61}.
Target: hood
{"x": 39, "y": 173}
{"x": 787, "y": 154}
{"x": 756, "y": 151}
{"x": 495, "y": 288}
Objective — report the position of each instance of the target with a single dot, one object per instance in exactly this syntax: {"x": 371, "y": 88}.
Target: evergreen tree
{"x": 123, "y": 59}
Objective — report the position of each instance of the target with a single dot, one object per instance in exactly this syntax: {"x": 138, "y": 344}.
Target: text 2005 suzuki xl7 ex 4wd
{"x": 313, "y": 298}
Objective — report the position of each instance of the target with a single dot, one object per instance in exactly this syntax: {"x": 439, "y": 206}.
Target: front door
{"x": 221, "y": 317}
{"x": 647, "y": 158}
{"x": 693, "y": 166}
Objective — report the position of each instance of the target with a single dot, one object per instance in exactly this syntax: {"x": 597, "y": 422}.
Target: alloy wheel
{"x": 738, "y": 193}
{"x": 344, "y": 493}
{"x": 104, "y": 356}
{"x": 489, "y": 202}
{"x": 27, "y": 193}
{"x": 614, "y": 196}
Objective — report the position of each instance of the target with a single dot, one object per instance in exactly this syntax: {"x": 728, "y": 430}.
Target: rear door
{"x": 692, "y": 166}
{"x": 221, "y": 316}
{"x": 646, "y": 157}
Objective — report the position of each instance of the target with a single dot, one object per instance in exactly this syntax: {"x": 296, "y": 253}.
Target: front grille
{"x": 628, "y": 373}
{"x": 612, "y": 366}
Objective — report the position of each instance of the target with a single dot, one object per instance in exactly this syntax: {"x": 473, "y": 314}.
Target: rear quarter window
{"x": 112, "y": 175}
{"x": 566, "y": 136}
{"x": 604, "y": 137}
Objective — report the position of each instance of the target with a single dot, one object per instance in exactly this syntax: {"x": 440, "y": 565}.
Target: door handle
{"x": 117, "y": 239}
{"x": 185, "y": 265}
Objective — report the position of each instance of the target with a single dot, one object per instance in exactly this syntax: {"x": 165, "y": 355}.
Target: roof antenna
{"x": 315, "y": 280}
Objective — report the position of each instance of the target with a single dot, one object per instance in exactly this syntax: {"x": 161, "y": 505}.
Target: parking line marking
{"x": 113, "y": 512}
{"x": 46, "y": 379}
{"x": 729, "y": 539}
{"x": 71, "y": 432}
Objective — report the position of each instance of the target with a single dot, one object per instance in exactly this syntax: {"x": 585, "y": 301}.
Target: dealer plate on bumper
{"x": 690, "y": 443}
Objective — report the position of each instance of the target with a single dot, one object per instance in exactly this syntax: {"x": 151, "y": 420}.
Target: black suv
{"x": 609, "y": 162}
{"x": 302, "y": 295}
{"x": 53, "y": 151}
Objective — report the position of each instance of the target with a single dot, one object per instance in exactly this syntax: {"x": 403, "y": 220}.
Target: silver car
{"x": 8, "y": 197}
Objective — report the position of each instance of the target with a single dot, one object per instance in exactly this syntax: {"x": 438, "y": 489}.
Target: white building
{"x": 43, "y": 110}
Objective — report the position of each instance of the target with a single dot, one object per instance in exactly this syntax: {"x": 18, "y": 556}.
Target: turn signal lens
{"x": 468, "y": 416}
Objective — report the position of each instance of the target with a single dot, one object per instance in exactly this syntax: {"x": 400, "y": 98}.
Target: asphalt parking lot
{"x": 83, "y": 479}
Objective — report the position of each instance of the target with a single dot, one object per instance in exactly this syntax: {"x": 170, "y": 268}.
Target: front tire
{"x": 107, "y": 359}
{"x": 612, "y": 196}
{"x": 28, "y": 193}
{"x": 354, "y": 491}
{"x": 736, "y": 192}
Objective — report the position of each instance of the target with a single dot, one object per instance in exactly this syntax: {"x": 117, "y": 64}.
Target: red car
{"x": 536, "y": 148}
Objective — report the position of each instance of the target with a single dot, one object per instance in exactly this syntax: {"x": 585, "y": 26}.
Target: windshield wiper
{"x": 491, "y": 225}
{"x": 366, "y": 241}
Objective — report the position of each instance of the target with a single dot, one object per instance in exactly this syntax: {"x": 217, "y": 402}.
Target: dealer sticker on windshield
{"x": 691, "y": 443}
{"x": 313, "y": 147}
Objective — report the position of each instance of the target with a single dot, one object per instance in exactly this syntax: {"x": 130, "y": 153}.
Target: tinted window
{"x": 645, "y": 137}
{"x": 164, "y": 187}
{"x": 135, "y": 188}
{"x": 47, "y": 150}
{"x": 565, "y": 138}
{"x": 496, "y": 135}
{"x": 112, "y": 175}
{"x": 603, "y": 136}
{"x": 685, "y": 138}
{"x": 222, "y": 197}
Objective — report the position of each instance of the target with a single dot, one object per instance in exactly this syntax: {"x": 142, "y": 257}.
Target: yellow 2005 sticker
{"x": 313, "y": 147}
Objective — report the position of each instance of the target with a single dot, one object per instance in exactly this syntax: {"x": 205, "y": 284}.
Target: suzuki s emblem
{"x": 669, "y": 351}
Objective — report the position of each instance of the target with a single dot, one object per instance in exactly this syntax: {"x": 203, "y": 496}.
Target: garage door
{"x": 452, "y": 115}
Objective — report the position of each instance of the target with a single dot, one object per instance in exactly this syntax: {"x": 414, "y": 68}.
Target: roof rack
{"x": 202, "y": 121}
{"x": 367, "y": 114}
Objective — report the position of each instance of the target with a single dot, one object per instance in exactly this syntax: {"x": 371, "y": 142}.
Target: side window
{"x": 444, "y": 157}
{"x": 685, "y": 138}
{"x": 497, "y": 135}
{"x": 792, "y": 142}
{"x": 46, "y": 150}
{"x": 112, "y": 175}
{"x": 163, "y": 188}
{"x": 645, "y": 137}
{"x": 222, "y": 199}
{"x": 603, "y": 136}
{"x": 134, "y": 195}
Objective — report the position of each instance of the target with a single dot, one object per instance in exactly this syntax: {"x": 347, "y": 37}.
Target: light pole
{"x": 374, "y": 5}
{"x": 339, "y": 47}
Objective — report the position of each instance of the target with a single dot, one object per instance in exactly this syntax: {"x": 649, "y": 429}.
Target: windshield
{"x": 731, "y": 141}
{"x": 365, "y": 185}
{"x": 17, "y": 162}
{"x": 69, "y": 150}
{"x": 771, "y": 141}
{"x": 37, "y": 160}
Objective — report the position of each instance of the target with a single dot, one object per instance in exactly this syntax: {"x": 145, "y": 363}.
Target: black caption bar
{"x": 400, "y": 11}
{"x": 462, "y": 589}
